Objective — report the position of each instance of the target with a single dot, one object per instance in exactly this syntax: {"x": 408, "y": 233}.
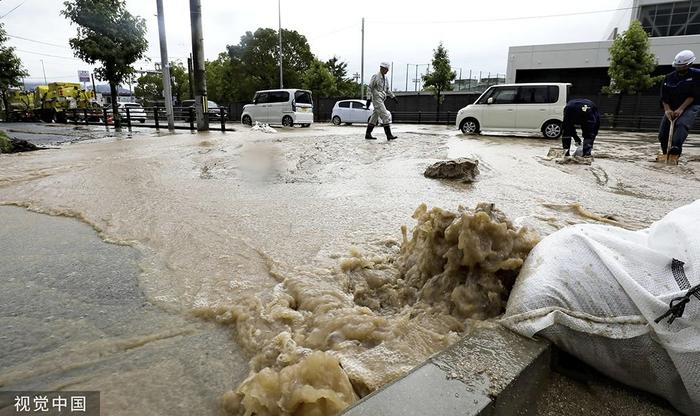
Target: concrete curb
{"x": 490, "y": 371}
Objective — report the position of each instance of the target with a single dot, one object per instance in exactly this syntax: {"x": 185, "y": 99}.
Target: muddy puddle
{"x": 293, "y": 239}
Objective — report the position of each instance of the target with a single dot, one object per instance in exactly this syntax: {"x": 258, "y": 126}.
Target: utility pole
{"x": 391, "y": 83}
{"x": 416, "y": 79}
{"x": 362, "y": 62}
{"x": 189, "y": 77}
{"x": 407, "y": 77}
{"x": 94, "y": 90}
{"x": 167, "y": 92}
{"x": 279, "y": 14}
{"x": 461, "y": 81}
{"x": 200, "y": 80}
{"x": 44, "y": 70}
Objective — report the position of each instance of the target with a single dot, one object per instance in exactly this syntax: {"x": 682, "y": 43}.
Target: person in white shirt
{"x": 378, "y": 91}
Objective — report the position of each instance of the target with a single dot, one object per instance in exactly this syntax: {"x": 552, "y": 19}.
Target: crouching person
{"x": 584, "y": 113}
{"x": 678, "y": 96}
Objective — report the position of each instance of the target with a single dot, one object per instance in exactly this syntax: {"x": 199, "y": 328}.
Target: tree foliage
{"x": 11, "y": 70}
{"x": 631, "y": 62}
{"x": 150, "y": 86}
{"x": 223, "y": 80}
{"x": 254, "y": 61}
{"x": 319, "y": 80}
{"x": 109, "y": 35}
{"x": 440, "y": 79}
{"x": 344, "y": 87}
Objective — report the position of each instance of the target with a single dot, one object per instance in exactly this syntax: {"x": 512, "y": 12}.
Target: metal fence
{"x": 148, "y": 117}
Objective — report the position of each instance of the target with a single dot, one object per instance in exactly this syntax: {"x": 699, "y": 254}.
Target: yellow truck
{"x": 53, "y": 102}
{"x": 21, "y": 104}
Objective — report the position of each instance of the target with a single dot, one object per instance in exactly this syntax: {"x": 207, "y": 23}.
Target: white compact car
{"x": 280, "y": 107}
{"x": 517, "y": 107}
{"x": 351, "y": 111}
{"x": 136, "y": 112}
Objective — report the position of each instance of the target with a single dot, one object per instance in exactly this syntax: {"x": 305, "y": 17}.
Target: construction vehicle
{"x": 21, "y": 105}
{"x": 53, "y": 101}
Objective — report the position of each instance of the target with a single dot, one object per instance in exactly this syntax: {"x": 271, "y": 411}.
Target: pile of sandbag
{"x": 595, "y": 291}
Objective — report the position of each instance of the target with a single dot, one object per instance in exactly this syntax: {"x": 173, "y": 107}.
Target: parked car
{"x": 517, "y": 107}
{"x": 351, "y": 111}
{"x": 280, "y": 107}
{"x": 136, "y": 112}
{"x": 213, "y": 109}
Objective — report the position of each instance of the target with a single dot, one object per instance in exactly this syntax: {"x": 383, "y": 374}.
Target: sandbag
{"x": 595, "y": 291}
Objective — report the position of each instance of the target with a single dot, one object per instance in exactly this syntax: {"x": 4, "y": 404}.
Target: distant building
{"x": 672, "y": 27}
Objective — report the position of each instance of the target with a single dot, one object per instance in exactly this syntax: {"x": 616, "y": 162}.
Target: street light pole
{"x": 362, "y": 62}
{"x": 279, "y": 14}
{"x": 44, "y": 70}
{"x": 165, "y": 66}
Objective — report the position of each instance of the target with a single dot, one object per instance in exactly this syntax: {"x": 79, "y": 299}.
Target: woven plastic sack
{"x": 595, "y": 291}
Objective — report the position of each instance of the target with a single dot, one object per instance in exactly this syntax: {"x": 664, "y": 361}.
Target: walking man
{"x": 378, "y": 90}
{"x": 584, "y": 113}
{"x": 678, "y": 98}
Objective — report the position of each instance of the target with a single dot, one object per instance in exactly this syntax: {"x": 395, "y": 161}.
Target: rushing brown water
{"x": 293, "y": 239}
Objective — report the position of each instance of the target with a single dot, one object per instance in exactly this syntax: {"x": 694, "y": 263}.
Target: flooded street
{"x": 287, "y": 247}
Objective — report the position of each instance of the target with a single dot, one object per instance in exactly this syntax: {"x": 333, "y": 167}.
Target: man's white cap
{"x": 684, "y": 58}
{"x": 385, "y": 65}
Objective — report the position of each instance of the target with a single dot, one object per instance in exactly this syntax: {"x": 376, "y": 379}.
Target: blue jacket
{"x": 677, "y": 88}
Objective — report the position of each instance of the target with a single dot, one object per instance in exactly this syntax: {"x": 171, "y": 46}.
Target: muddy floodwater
{"x": 291, "y": 243}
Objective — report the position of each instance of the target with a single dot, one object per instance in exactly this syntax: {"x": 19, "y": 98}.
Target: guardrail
{"x": 149, "y": 117}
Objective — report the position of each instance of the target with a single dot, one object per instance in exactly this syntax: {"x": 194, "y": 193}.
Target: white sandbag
{"x": 595, "y": 292}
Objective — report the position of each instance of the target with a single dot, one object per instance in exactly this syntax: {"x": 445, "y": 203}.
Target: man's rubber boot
{"x": 387, "y": 131}
{"x": 368, "y": 133}
{"x": 673, "y": 155}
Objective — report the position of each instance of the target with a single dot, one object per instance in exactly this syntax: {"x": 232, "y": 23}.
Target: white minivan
{"x": 536, "y": 107}
{"x": 280, "y": 107}
{"x": 351, "y": 111}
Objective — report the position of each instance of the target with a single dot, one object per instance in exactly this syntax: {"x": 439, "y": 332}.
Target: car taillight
{"x": 294, "y": 105}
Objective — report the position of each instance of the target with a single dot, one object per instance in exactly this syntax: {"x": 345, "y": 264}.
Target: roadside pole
{"x": 189, "y": 77}
{"x": 200, "y": 81}
{"x": 165, "y": 65}
{"x": 362, "y": 63}
{"x": 279, "y": 11}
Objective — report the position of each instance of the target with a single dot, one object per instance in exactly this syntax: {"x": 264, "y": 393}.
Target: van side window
{"x": 345, "y": 104}
{"x": 261, "y": 98}
{"x": 504, "y": 95}
{"x": 533, "y": 95}
{"x": 553, "y": 94}
{"x": 486, "y": 96}
{"x": 278, "y": 97}
{"x": 303, "y": 97}
{"x": 355, "y": 104}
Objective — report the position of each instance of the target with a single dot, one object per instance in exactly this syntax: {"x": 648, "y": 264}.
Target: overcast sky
{"x": 476, "y": 34}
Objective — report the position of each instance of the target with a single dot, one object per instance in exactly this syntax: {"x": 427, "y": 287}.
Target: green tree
{"x": 442, "y": 76}
{"x": 319, "y": 80}
{"x": 254, "y": 61}
{"x": 110, "y": 35}
{"x": 149, "y": 87}
{"x": 345, "y": 87}
{"x": 11, "y": 71}
{"x": 222, "y": 80}
{"x": 181, "y": 81}
{"x": 631, "y": 65}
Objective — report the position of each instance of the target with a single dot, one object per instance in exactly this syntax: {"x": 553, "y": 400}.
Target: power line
{"x": 503, "y": 19}
{"x": 46, "y": 54}
{"x": 38, "y": 41}
{"x": 15, "y": 8}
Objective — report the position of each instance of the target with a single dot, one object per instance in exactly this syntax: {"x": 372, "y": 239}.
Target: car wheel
{"x": 336, "y": 120}
{"x": 551, "y": 129}
{"x": 247, "y": 121}
{"x": 469, "y": 126}
{"x": 287, "y": 121}
{"x": 142, "y": 121}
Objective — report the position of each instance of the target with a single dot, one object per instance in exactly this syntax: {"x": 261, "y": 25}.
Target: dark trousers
{"x": 589, "y": 131}
{"x": 680, "y": 129}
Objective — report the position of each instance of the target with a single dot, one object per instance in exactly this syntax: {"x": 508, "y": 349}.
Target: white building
{"x": 672, "y": 26}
